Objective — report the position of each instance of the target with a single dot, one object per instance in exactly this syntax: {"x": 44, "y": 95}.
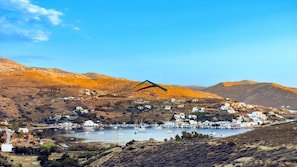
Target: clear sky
{"x": 185, "y": 42}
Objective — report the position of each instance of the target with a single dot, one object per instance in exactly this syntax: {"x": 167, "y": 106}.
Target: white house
{"x": 258, "y": 117}
{"x": 227, "y": 107}
{"x": 84, "y": 111}
{"x": 148, "y": 107}
{"x": 78, "y": 108}
{"x": 172, "y": 100}
{"x": 195, "y": 100}
{"x": 6, "y": 147}
{"x": 182, "y": 115}
{"x": 89, "y": 123}
{"x": 167, "y": 107}
{"x": 180, "y": 106}
{"x": 23, "y": 130}
{"x": 140, "y": 108}
{"x": 68, "y": 98}
{"x": 179, "y": 117}
{"x": 195, "y": 109}
{"x": 194, "y": 117}
{"x": 202, "y": 109}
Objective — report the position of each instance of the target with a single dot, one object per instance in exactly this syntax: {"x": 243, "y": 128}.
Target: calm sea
{"x": 124, "y": 135}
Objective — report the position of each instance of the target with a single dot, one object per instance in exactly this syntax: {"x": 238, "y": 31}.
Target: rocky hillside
{"x": 266, "y": 94}
{"x": 13, "y": 74}
{"x": 32, "y": 93}
{"x": 267, "y": 146}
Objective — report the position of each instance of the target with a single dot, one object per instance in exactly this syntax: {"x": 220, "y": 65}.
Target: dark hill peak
{"x": 266, "y": 94}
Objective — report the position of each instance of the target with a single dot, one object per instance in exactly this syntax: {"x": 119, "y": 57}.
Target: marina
{"x": 122, "y": 135}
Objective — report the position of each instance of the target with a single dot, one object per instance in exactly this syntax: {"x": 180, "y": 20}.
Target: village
{"x": 195, "y": 113}
{"x": 191, "y": 113}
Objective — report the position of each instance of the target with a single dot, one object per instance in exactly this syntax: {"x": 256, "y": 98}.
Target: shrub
{"x": 178, "y": 138}
{"x": 65, "y": 161}
{"x": 193, "y": 135}
{"x": 4, "y": 162}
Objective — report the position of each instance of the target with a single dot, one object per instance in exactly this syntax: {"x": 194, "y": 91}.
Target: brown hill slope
{"x": 267, "y": 94}
{"x": 35, "y": 93}
{"x": 268, "y": 146}
{"x": 15, "y": 74}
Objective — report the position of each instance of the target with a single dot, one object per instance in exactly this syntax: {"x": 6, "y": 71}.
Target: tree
{"x": 178, "y": 138}
{"x": 14, "y": 125}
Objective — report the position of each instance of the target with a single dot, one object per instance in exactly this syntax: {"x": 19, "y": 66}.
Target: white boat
{"x": 139, "y": 129}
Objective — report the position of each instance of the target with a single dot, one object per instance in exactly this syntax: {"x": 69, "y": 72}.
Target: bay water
{"x": 124, "y": 135}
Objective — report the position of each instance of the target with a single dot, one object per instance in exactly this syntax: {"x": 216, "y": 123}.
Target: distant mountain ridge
{"x": 13, "y": 74}
{"x": 192, "y": 87}
{"x": 251, "y": 92}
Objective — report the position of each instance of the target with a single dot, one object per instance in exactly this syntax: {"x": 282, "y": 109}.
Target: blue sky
{"x": 185, "y": 42}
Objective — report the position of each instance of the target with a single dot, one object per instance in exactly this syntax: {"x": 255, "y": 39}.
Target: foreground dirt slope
{"x": 268, "y": 146}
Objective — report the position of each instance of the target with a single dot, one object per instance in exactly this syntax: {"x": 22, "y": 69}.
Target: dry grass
{"x": 25, "y": 161}
{"x": 267, "y": 146}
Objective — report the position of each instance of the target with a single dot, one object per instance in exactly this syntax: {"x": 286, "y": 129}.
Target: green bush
{"x": 178, "y": 138}
{"x": 193, "y": 135}
{"x": 4, "y": 162}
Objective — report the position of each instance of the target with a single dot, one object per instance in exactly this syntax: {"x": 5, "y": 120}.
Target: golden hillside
{"x": 18, "y": 75}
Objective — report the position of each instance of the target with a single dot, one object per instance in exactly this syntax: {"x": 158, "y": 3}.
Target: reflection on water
{"x": 124, "y": 135}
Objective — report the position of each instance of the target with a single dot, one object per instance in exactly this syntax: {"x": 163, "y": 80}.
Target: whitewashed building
{"x": 23, "y": 130}
{"x": 89, "y": 123}
{"x": 195, "y": 109}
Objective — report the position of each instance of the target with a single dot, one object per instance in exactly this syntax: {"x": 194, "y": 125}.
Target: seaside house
{"x": 179, "y": 117}
{"x": 89, "y": 123}
{"x": 192, "y": 117}
{"x": 258, "y": 117}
